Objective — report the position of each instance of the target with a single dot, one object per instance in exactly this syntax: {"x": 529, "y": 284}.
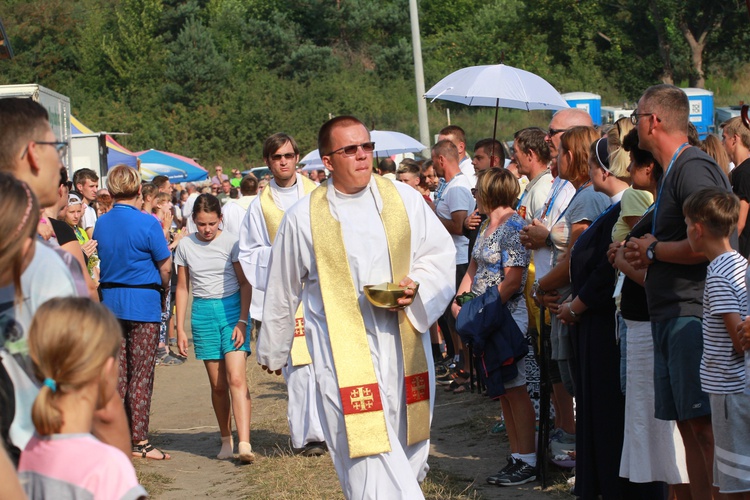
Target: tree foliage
{"x": 212, "y": 78}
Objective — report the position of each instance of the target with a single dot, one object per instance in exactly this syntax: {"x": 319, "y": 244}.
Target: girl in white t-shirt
{"x": 209, "y": 260}
{"x": 74, "y": 344}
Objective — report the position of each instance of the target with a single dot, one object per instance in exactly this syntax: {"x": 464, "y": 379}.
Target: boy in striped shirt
{"x": 711, "y": 216}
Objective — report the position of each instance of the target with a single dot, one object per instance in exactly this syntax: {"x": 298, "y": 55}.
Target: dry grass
{"x": 154, "y": 482}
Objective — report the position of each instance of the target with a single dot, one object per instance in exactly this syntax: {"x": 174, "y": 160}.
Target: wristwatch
{"x": 548, "y": 241}
{"x": 651, "y": 251}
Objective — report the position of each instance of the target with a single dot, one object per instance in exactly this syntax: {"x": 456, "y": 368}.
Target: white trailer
{"x": 57, "y": 106}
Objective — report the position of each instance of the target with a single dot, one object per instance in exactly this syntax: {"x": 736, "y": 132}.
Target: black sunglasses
{"x": 351, "y": 150}
{"x": 288, "y": 156}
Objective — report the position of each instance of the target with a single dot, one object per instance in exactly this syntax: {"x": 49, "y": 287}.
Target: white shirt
{"x": 456, "y": 197}
{"x": 467, "y": 168}
{"x": 187, "y": 212}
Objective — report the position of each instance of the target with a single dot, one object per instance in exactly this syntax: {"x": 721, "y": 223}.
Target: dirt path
{"x": 183, "y": 424}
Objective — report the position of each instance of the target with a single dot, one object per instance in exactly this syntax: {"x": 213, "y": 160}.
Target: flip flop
{"x": 143, "y": 450}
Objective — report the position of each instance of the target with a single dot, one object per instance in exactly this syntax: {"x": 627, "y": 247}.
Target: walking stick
{"x": 545, "y": 389}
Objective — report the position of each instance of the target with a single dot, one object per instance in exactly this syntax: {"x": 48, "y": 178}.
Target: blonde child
{"x": 74, "y": 345}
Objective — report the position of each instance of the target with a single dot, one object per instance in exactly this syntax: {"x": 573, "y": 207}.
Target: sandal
{"x": 143, "y": 450}
{"x": 166, "y": 357}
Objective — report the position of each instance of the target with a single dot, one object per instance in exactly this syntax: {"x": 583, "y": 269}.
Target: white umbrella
{"x": 311, "y": 159}
{"x": 387, "y": 143}
{"x": 497, "y": 86}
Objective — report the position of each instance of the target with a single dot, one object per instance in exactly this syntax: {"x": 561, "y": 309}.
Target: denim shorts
{"x": 678, "y": 347}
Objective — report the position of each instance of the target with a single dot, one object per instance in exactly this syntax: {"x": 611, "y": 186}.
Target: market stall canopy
{"x": 178, "y": 168}
{"x": 116, "y": 153}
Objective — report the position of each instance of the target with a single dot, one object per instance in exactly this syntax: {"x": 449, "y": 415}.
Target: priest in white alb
{"x": 373, "y": 366}
{"x": 258, "y": 230}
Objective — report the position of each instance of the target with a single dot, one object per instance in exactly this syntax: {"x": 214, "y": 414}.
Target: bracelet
{"x": 573, "y": 314}
{"x": 242, "y": 321}
{"x": 537, "y": 290}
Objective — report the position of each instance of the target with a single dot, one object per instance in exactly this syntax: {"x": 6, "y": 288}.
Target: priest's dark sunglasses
{"x": 288, "y": 156}
{"x": 351, "y": 150}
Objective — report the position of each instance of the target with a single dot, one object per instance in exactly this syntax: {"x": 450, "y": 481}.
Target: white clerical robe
{"x": 233, "y": 213}
{"x": 255, "y": 251}
{"x": 293, "y": 275}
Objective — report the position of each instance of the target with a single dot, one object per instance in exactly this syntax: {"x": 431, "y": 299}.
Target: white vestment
{"x": 255, "y": 250}
{"x": 293, "y": 276}
{"x": 233, "y": 214}
{"x": 187, "y": 213}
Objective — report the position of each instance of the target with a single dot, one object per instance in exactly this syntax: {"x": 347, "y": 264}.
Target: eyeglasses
{"x": 288, "y": 156}
{"x": 60, "y": 146}
{"x": 554, "y": 131}
{"x": 351, "y": 150}
{"x": 635, "y": 116}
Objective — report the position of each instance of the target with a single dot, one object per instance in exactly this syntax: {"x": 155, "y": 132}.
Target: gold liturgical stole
{"x": 272, "y": 216}
{"x": 358, "y": 386}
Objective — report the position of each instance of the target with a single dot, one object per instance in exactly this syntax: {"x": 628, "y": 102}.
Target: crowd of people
{"x": 625, "y": 245}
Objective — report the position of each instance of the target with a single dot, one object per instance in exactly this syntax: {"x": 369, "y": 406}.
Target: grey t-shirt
{"x": 211, "y": 264}
{"x": 676, "y": 290}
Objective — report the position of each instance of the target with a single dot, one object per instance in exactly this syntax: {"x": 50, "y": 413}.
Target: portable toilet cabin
{"x": 725, "y": 113}
{"x": 610, "y": 114}
{"x": 701, "y": 110}
{"x": 591, "y": 103}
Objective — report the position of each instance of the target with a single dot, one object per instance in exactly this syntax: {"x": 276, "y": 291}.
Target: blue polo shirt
{"x": 130, "y": 244}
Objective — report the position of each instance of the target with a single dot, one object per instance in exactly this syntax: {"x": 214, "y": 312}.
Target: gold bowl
{"x": 386, "y": 295}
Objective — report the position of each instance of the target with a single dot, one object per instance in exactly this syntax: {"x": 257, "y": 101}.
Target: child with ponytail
{"x": 74, "y": 344}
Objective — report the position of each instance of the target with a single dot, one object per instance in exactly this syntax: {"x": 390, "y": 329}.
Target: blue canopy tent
{"x": 177, "y": 168}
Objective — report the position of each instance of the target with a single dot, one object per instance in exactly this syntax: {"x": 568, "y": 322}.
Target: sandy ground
{"x": 183, "y": 424}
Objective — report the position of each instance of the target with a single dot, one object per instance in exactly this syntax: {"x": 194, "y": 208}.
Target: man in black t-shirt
{"x": 736, "y": 139}
{"x": 676, "y": 276}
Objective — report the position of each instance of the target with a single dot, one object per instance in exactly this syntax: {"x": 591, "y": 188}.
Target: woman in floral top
{"x": 499, "y": 259}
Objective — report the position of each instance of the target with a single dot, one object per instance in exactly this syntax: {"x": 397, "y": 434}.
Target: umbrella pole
{"x": 494, "y": 129}
{"x": 545, "y": 391}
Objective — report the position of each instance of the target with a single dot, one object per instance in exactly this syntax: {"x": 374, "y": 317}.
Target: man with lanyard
{"x": 373, "y": 366}
{"x": 536, "y": 236}
{"x": 257, "y": 234}
{"x": 676, "y": 276}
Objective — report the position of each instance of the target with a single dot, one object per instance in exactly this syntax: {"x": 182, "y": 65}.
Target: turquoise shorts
{"x": 213, "y": 321}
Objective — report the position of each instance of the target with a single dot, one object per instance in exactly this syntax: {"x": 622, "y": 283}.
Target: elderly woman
{"x": 499, "y": 259}
{"x": 135, "y": 271}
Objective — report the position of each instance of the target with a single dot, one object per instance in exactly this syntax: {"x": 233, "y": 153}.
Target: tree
{"x": 692, "y": 21}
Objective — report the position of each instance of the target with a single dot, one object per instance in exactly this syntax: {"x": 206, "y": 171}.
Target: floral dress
{"x": 494, "y": 252}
